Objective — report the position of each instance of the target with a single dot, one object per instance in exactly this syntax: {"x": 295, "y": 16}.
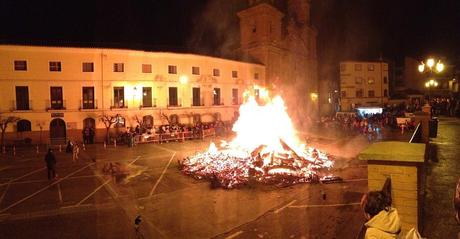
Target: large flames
{"x": 265, "y": 150}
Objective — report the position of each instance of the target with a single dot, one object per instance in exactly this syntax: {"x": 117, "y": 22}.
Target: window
{"x": 371, "y": 93}
{"x": 148, "y": 121}
{"x": 22, "y": 98}
{"x": 358, "y": 67}
{"x": 216, "y": 96}
{"x": 55, "y": 66}
{"x": 56, "y": 98}
{"x": 385, "y": 93}
{"x": 215, "y": 72}
{"x": 370, "y": 67}
{"x": 358, "y": 80}
{"x": 343, "y": 67}
{"x": 88, "y": 67}
{"x": 234, "y": 96}
{"x": 173, "y": 97}
{"x": 235, "y": 74}
{"x": 172, "y": 69}
{"x": 195, "y": 70}
{"x": 23, "y": 126}
{"x": 146, "y": 96}
{"x": 256, "y": 76}
{"x": 146, "y": 68}
{"x": 196, "y": 96}
{"x": 118, "y": 67}
{"x": 385, "y": 67}
{"x": 370, "y": 80}
{"x": 119, "y": 97}
{"x": 256, "y": 94}
{"x": 344, "y": 94}
{"x": 88, "y": 98}
{"x": 20, "y": 65}
{"x": 385, "y": 80}
{"x": 359, "y": 93}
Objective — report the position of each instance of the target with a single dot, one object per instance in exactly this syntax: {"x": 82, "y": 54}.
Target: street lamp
{"x": 430, "y": 67}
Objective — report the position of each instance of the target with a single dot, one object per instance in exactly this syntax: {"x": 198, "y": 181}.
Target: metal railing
{"x": 216, "y": 103}
{"x": 15, "y": 105}
{"x": 55, "y": 104}
{"x": 178, "y": 103}
{"x": 154, "y": 104}
{"x": 197, "y": 104}
{"x": 88, "y": 104}
{"x": 123, "y": 104}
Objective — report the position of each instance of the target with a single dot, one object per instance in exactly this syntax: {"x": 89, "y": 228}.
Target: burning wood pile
{"x": 265, "y": 150}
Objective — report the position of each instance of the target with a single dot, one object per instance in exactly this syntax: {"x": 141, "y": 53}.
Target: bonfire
{"x": 265, "y": 150}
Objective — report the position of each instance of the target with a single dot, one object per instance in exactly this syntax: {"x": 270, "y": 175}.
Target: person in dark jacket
{"x": 50, "y": 160}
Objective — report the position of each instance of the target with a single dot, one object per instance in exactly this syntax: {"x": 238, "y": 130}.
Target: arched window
{"x": 24, "y": 125}
{"x": 120, "y": 123}
{"x": 148, "y": 121}
{"x": 174, "y": 119}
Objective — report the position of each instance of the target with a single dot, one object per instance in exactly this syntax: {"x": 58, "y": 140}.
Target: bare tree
{"x": 166, "y": 117}
{"x": 4, "y": 124}
{"x": 108, "y": 121}
{"x": 141, "y": 122}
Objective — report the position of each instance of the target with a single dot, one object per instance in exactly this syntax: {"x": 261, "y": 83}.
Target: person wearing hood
{"x": 383, "y": 220}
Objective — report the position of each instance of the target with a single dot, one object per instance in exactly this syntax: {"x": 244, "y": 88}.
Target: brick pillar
{"x": 403, "y": 164}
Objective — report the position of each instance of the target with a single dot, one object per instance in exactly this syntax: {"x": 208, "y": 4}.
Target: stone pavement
{"x": 443, "y": 171}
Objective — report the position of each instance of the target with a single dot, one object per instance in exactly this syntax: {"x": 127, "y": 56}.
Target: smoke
{"x": 216, "y": 29}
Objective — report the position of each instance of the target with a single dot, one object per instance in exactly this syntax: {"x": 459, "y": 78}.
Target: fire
{"x": 265, "y": 149}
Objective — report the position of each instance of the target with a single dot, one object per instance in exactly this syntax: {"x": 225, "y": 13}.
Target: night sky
{"x": 348, "y": 29}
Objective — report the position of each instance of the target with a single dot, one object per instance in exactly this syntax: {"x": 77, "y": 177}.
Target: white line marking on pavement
{"x": 43, "y": 189}
{"x": 326, "y": 205}
{"x": 161, "y": 176}
{"x": 4, "y": 193}
{"x": 23, "y": 176}
{"x": 93, "y": 192}
{"x": 59, "y": 192}
{"x": 285, "y": 206}
{"x": 137, "y": 158}
{"x": 234, "y": 235}
{"x": 42, "y": 181}
{"x": 163, "y": 148}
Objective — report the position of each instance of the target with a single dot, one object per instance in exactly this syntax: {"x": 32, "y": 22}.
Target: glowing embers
{"x": 264, "y": 150}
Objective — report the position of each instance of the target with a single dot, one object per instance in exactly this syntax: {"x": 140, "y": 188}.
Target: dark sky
{"x": 348, "y": 29}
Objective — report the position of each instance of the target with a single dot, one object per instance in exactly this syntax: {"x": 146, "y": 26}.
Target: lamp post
{"x": 430, "y": 67}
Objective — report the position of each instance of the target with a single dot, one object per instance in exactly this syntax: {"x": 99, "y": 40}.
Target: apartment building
{"x": 58, "y": 91}
{"x": 363, "y": 84}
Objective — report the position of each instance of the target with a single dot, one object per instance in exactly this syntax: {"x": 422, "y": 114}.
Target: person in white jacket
{"x": 383, "y": 220}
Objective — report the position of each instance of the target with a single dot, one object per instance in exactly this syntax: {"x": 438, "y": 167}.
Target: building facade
{"x": 363, "y": 84}
{"x": 58, "y": 91}
{"x": 279, "y": 34}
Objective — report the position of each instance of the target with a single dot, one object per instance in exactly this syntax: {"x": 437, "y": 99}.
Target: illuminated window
{"x": 370, "y": 80}
{"x": 146, "y": 96}
{"x": 55, "y": 66}
{"x": 88, "y": 67}
{"x": 146, "y": 68}
{"x": 118, "y": 67}
{"x": 20, "y": 65}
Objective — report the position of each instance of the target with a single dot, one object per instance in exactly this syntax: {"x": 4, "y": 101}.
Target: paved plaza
{"x": 86, "y": 202}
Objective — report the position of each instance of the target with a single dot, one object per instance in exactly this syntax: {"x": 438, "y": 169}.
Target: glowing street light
{"x": 430, "y": 62}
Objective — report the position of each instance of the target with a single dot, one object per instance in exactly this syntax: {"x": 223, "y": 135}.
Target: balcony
{"x": 21, "y": 105}
{"x": 152, "y": 105}
{"x": 55, "y": 105}
{"x": 88, "y": 104}
{"x": 174, "y": 103}
{"x": 119, "y": 104}
{"x": 197, "y": 102}
{"x": 217, "y": 102}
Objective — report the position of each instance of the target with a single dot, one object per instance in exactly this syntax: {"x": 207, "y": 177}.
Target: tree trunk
{"x": 3, "y": 138}
{"x": 107, "y": 135}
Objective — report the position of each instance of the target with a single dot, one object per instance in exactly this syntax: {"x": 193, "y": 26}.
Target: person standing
{"x": 50, "y": 160}
{"x": 76, "y": 150}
